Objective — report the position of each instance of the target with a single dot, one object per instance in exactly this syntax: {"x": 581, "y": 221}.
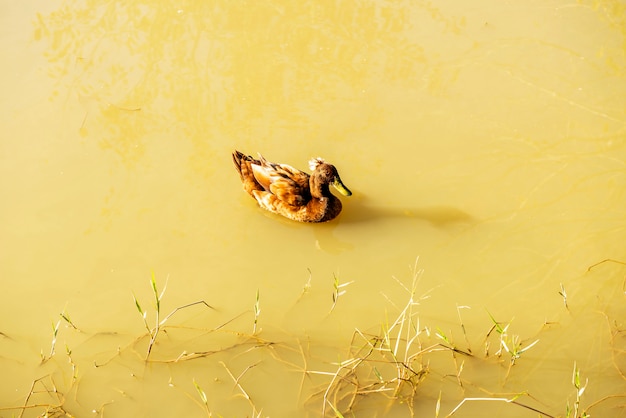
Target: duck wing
{"x": 288, "y": 184}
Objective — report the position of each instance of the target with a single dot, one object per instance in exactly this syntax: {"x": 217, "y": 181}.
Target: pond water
{"x": 478, "y": 269}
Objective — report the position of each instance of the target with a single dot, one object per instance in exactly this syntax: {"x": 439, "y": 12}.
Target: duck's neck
{"x": 319, "y": 189}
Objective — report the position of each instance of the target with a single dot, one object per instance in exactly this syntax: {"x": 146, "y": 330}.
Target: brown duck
{"x": 290, "y": 192}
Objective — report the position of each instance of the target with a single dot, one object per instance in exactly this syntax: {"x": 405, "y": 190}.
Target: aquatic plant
{"x": 391, "y": 363}
{"x": 153, "y": 332}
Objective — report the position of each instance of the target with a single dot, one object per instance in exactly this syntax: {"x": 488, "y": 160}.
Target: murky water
{"x": 485, "y": 143}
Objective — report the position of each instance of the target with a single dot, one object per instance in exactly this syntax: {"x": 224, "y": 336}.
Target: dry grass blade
{"x": 606, "y": 260}
{"x": 506, "y": 400}
{"x": 51, "y": 409}
{"x": 238, "y": 385}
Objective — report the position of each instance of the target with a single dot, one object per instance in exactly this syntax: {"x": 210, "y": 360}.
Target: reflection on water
{"x": 485, "y": 140}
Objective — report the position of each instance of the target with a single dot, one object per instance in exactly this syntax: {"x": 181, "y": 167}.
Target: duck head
{"x": 325, "y": 174}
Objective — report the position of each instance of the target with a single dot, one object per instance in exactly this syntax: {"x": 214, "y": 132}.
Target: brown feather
{"x": 289, "y": 192}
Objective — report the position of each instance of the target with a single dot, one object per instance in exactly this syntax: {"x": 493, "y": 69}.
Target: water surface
{"x": 485, "y": 145}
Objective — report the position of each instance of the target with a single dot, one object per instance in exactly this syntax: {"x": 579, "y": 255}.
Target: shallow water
{"x": 485, "y": 145}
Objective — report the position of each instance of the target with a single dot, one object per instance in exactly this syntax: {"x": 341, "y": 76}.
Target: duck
{"x": 287, "y": 191}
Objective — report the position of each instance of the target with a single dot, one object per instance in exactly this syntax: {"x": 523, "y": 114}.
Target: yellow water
{"x": 484, "y": 142}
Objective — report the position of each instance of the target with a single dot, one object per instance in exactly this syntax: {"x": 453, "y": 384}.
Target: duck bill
{"x": 341, "y": 187}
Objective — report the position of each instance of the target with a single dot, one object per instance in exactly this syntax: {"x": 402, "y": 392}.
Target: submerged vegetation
{"x": 388, "y": 370}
